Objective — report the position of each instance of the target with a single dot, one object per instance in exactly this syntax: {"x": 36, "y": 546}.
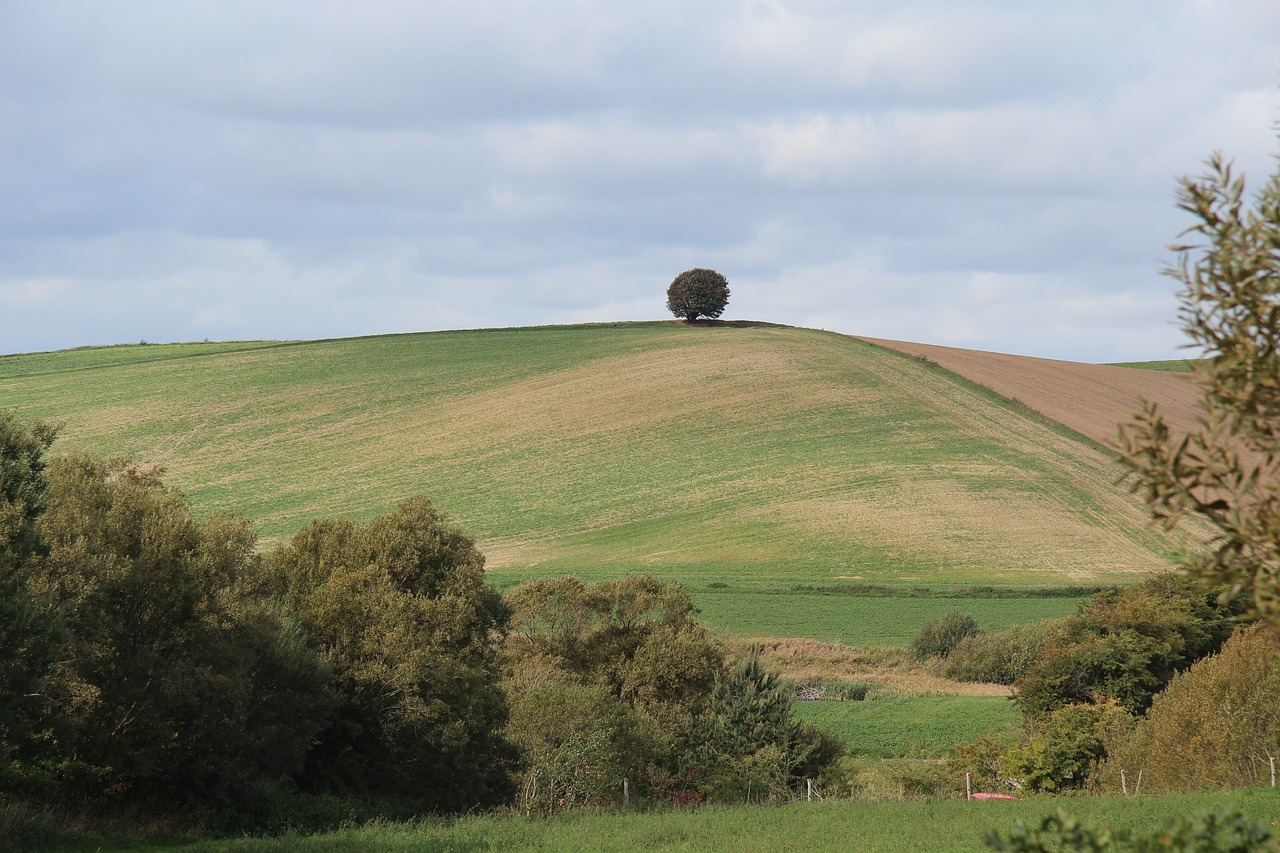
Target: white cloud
{"x": 972, "y": 173}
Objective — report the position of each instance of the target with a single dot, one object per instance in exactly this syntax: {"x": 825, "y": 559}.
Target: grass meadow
{"x": 918, "y": 726}
{"x": 861, "y": 621}
{"x": 734, "y": 453}
{"x": 947, "y": 826}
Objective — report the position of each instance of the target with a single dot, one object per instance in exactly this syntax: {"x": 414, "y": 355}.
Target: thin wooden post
{"x": 1124, "y": 786}
{"x": 808, "y": 790}
{"x": 626, "y": 792}
{"x": 1272, "y": 759}
{"x": 968, "y": 786}
{"x": 1137, "y": 789}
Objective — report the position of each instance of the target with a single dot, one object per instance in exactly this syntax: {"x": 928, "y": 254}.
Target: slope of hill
{"x": 1092, "y": 399}
{"x": 744, "y": 453}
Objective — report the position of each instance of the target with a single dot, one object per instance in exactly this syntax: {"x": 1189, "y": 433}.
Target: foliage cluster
{"x": 619, "y": 680}
{"x": 1215, "y": 726}
{"x": 153, "y": 661}
{"x": 1225, "y": 831}
{"x": 938, "y": 637}
{"x": 996, "y": 657}
{"x": 1082, "y": 681}
{"x": 1125, "y": 646}
{"x": 1228, "y": 471}
{"x": 698, "y": 293}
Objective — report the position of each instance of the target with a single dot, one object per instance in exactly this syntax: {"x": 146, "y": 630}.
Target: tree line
{"x": 152, "y": 661}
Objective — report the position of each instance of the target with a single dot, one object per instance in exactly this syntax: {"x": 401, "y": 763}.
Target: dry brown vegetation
{"x": 891, "y": 670}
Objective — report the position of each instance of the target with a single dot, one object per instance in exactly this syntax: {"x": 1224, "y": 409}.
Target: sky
{"x": 973, "y": 173}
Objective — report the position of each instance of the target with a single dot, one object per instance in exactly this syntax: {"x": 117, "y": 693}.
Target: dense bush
{"x": 400, "y": 614}
{"x": 1000, "y": 657}
{"x": 1214, "y": 726}
{"x": 747, "y": 741}
{"x": 580, "y": 742}
{"x": 153, "y": 662}
{"x": 1125, "y": 646}
{"x": 699, "y": 732}
{"x": 938, "y": 637}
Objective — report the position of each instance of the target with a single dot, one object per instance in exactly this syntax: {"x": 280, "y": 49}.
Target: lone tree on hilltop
{"x": 698, "y": 293}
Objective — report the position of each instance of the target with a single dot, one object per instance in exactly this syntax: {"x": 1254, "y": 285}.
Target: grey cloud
{"x": 969, "y": 173}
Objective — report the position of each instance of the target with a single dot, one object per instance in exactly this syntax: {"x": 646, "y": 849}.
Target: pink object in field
{"x": 986, "y": 796}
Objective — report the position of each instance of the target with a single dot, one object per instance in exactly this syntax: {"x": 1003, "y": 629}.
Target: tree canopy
{"x": 1228, "y": 471}
{"x": 698, "y": 293}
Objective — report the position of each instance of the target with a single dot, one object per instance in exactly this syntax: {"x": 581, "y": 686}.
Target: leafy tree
{"x": 23, "y": 449}
{"x": 399, "y": 611}
{"x": 698, "y": 293}
{"x": 31, "y": 640}
{"x": 638, "y": 636}
{"x": 1227, "y": 472}
{"x": 1125, "y": 646}
{"x": 177, "y": 687}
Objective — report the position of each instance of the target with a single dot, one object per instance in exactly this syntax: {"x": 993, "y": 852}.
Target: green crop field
{"x": 950, "y": 826}
{"x": 862, "y": 621}
{"x": 919, "y": 726}
{"x": 1177, "y": 365}
{"x": 751, "y": 455}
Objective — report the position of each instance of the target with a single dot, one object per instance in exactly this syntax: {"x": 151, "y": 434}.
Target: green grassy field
{"x": 1177, "y": 365}
{"x": 919, "y": 726}
{"x": 951, "y": 826}
{"x": 743, "y": 451}
{"x": 862, "y": 621}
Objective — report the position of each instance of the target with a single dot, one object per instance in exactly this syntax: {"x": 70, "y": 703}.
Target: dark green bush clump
{"x": 939, "y": 636}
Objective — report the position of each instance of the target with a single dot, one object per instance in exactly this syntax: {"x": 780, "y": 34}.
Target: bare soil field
{"x": 1092, "y": 399}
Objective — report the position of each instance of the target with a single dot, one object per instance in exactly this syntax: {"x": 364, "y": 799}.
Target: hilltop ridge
{"x": 739, "y": 451}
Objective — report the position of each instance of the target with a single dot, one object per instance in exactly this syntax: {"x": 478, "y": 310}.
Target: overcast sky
{"x": 992, "y": 175}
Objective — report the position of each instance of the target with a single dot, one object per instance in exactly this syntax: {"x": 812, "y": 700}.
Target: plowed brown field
{"x": 1091, "y": 399}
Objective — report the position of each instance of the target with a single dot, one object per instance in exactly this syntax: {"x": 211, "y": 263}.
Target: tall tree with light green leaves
{"x": 1227, "y": 472}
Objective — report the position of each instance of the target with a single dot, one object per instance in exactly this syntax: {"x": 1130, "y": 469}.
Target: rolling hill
{"x": 749, "y": 454}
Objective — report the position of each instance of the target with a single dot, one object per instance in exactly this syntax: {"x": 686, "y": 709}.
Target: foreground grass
{"x": 923, "y": 726}
{"x": 724, "y": 453}
{"x": 953, "y": 826}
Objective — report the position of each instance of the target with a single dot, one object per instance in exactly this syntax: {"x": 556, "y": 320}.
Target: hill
{"x": 1092, "y": 399}
{"x": 739, "y": 453}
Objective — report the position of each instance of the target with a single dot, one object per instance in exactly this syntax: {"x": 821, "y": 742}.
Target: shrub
{"x": 1125, "y": 646}
{"x": 578, "y": 744}
{"x": 1214, "y": 725}
{"x": 939, "y": 636}
{"x": 1000, "y": 657}
{"x": 1060, "y": 751}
